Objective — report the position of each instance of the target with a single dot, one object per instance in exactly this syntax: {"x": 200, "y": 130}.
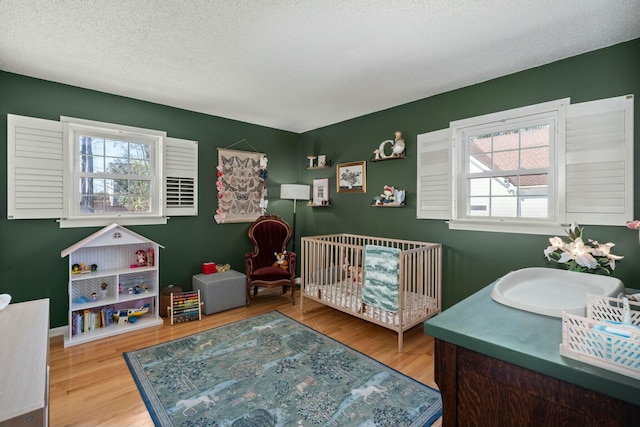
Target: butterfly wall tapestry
{"x": 241, "y": 184}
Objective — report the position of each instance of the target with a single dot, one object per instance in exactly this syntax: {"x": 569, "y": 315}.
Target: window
{"x": 507, "y": 169}
{"x": 532, "y": 169}
{"x": 90, "y": 173}
{"x": 114, "y": 174}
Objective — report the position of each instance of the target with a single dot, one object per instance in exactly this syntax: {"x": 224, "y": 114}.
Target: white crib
{"x": 332, "y": 274}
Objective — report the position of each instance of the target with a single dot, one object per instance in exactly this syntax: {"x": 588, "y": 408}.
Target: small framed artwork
{"x": 321, "y": 192}
{"x": 351, "y": 177}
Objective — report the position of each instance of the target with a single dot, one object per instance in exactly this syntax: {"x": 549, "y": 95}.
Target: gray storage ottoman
{"x": 221, "y": 291}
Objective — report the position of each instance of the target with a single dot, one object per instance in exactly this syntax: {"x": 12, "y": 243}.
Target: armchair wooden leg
{"x": 248, "y": 295}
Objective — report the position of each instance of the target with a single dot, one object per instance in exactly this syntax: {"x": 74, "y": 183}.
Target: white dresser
{"x": 24, "y": 364}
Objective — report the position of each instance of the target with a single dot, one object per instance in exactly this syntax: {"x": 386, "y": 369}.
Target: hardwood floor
{"x": 90, "y": 384}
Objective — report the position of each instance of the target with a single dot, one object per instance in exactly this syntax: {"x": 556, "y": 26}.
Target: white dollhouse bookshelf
{"x": 129, "y": 284}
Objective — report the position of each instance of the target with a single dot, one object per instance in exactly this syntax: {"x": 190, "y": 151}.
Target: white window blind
{"x": 36, "y": 152}
{"x": 599, "y": 162}
{"x": 181, "y": 176}
{"x": 434, "y": 175}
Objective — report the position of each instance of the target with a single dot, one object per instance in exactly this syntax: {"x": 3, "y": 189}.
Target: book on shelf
{"x": 90, "y": 320}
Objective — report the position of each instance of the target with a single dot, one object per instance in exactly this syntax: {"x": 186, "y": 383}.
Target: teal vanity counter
{"x": 475, "y": 338}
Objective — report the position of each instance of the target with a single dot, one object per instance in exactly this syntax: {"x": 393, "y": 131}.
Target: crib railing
{"x": 332, "y": 274}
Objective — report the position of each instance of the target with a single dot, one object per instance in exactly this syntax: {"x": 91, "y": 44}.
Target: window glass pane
{"x": 534, "y": 207}
{"x": 137, "y": 196}
{"x": 479, "y": 187}
{"x": 139, "y": 151}
{"x": 506, "y": 160}
{"x": 97, "y": 146}
{"x": 509, "y": 140}
{"x": 504, "y": 206}
{"x": 480, "y": 144}
{"x": 535, "y": 136}
{"x": 480, "y": 162}
{"x": 504, "y": 185}
{"x": 478, "y": 206}
{"x": 117, "y": 166}
{"x": 533, "y": 158}
{"x": 116, "y": 148}
{"x": 140, "y": 167}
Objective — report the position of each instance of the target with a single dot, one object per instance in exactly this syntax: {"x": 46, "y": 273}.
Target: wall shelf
{"x": 382, "y": 159}
{"x": 373, "y": 205}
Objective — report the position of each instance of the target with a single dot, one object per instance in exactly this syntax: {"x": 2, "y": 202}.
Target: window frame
{"x": 73, "y": 128}
{"x": 552, "y": 113}
{"x": 155, "y": 193}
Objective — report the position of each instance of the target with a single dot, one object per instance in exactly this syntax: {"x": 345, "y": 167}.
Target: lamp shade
{"x": 294, "y": 191}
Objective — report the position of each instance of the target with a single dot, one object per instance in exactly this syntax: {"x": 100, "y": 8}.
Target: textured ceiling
{"x": 298, "y": 64}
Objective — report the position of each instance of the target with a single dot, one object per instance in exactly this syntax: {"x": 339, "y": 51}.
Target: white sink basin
{"x": 551, "y": 291}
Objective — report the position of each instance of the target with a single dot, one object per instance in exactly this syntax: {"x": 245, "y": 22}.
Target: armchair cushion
{"x": 270, "y": 274}
{"x": 269, "y": 235}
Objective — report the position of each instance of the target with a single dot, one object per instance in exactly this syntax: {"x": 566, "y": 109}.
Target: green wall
{"x": 30, "y": 263}
{"x": 471, "y": 259}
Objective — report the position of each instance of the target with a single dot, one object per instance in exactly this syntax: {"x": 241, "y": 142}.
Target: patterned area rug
{"x": 271, "y": 370}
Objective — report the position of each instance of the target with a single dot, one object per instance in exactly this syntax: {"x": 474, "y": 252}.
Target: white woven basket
{"x": 586, "y": 338}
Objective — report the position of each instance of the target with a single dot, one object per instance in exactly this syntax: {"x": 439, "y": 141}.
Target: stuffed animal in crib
{"x": 353, "y": 272}
{"x": 281, "y": 260}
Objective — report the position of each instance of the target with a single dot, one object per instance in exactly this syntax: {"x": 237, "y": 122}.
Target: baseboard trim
{"x": 56, "y": 332}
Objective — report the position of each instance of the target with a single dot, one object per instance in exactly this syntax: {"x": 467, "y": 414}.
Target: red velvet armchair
{"x": 269, "y": 235}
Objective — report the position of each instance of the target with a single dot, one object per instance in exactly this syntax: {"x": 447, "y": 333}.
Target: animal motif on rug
{"x": 306, "y": 382}
{"x": 194, "y": 401}
{"x": 368, "y": 391}
{"x": 262, "y": 327}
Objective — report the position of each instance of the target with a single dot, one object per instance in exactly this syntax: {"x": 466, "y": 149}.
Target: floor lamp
{"x": 294, "y": 192}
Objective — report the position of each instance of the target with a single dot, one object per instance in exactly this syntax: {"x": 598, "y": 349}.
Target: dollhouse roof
{"x": 113, "y": 234}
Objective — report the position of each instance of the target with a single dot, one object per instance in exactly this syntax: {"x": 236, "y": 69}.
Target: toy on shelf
{"x": 130, "y": 315}
{"x": 311, "y": 159}
{"x": 397, "y": 149}
{"x": 390, "y": 197}
{"x": 81, "y": 268}
{"x": 141, "y": 258}
{"x": 103, "y": 290}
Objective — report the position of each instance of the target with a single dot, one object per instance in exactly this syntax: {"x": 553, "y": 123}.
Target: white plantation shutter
{"x": 36, "y": 152}
{"x": 434, "y": 175}
{"x": 599, "y": 162}
{"x": 180, "y": 176}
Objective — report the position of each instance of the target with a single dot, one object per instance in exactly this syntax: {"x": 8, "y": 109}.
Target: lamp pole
{"x": 293, "y": 246}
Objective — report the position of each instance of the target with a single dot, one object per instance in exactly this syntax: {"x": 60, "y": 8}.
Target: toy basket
{"x": 600, "y": 339}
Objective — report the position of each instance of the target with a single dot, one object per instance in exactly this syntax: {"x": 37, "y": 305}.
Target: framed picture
{"x": 351, "y": 177}
{"x": 320, "y": 192}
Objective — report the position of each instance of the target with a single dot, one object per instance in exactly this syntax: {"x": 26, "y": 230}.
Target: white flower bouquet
{"x": 577, "y": 255}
